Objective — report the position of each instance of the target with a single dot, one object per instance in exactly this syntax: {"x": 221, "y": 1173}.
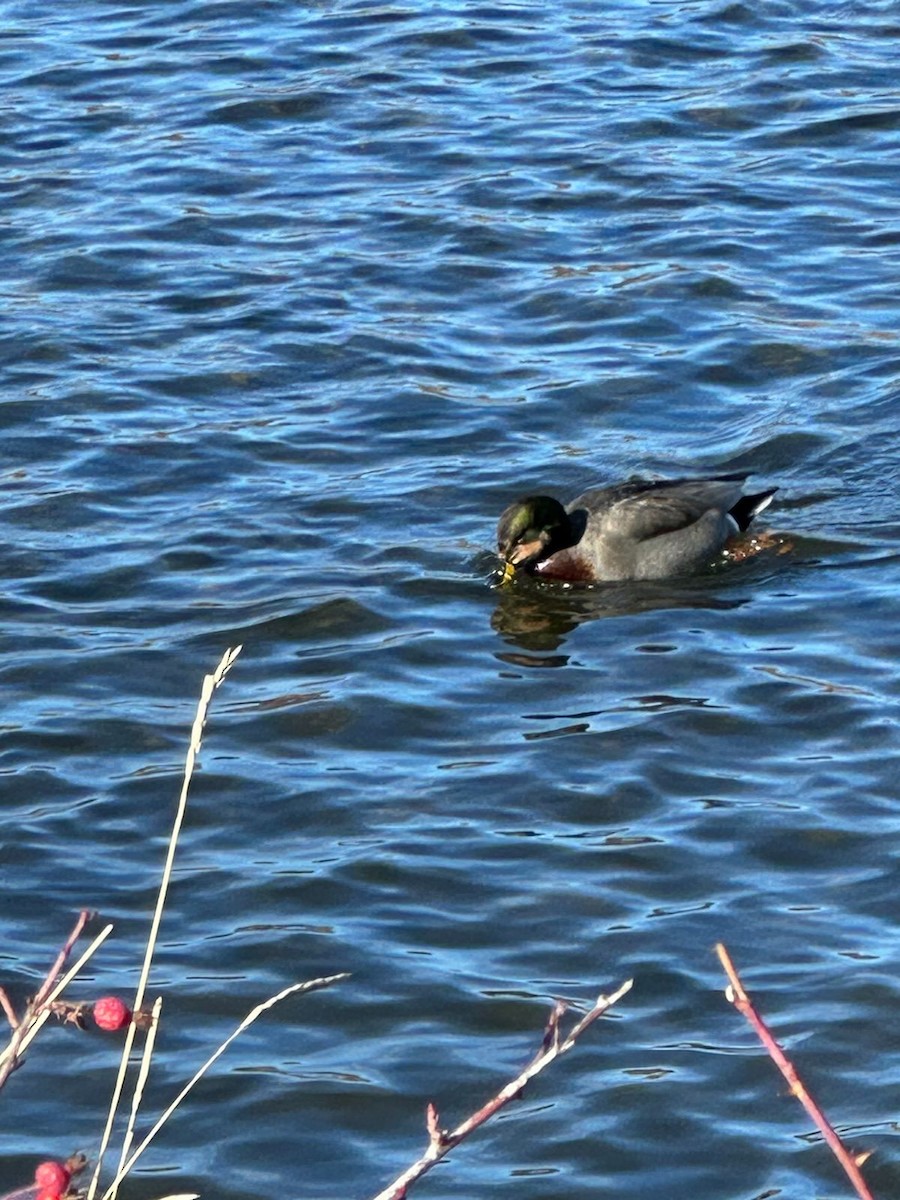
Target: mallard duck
{"x": 633, "y": 530}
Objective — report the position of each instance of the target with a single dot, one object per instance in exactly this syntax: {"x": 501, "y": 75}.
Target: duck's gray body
{"x": 634, "y": 530}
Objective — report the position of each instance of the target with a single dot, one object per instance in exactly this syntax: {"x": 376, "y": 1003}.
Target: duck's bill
{"x": 526, "y": 551}
{"x": 506, "y": 572}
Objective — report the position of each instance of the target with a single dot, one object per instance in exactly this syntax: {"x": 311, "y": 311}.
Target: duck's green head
{"x": 528, "y": 531}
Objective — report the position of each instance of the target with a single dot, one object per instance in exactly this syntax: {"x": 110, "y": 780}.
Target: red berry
{"x": 47, "y": 1196}
{"x": 111, "y": 1013}
{"x": 52, "y": 1178}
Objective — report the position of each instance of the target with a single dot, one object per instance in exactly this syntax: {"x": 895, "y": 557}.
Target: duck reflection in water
{"x": 539, "y": 616}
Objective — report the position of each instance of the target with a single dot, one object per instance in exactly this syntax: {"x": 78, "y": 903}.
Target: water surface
{"x": 295, "y": 301}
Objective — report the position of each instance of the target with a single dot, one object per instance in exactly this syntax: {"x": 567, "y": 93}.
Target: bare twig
{"x": 40, "y": 1008}
{"x": 736, "y": 994}
{"x": 440, "y": 1141}
{"x": 83, "y": 917}
{"x": 10, "y": 1013}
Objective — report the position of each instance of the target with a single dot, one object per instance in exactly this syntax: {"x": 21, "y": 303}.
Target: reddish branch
{"x": 20, "y": 1027}
{"x": 741, "y": 1001}
{"x": 441, "y": 1141}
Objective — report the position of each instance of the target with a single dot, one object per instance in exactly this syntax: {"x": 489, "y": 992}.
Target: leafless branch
{"x": 440, "y": 1141}
{"x": 8, "y": 1010}
{"x": 736, "y": 994}
{"x": 11, "y": 1057}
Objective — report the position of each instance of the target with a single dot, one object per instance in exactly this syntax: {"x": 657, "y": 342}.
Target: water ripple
{"x": 294, "y": 305}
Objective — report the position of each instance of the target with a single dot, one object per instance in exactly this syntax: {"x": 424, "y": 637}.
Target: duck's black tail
{"x": 749, "y": 507}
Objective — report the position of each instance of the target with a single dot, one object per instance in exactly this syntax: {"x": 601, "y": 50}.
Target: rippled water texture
{"x": 296, "y": 298}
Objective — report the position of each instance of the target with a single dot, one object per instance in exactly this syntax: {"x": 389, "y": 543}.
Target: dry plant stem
{"x": 742, "y": 1002}
{"x": 37, "y": 1014}
{"x": 210, "y": 683}
{"x": 141, "y": 1082}
{"x": 441, "y": 1142}
{"x": 311, "y": 985}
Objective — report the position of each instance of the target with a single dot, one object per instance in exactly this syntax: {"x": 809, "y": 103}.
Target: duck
{"x": 639, "y": 529}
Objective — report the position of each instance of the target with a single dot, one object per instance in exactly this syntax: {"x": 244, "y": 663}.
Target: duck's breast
{"x": 570, "y": 566}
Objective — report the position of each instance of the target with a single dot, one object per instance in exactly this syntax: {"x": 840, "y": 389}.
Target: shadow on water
{"x": 538, "y": 616}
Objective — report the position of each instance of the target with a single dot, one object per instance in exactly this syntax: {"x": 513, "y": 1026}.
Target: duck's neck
{"x": 573, "y": 530}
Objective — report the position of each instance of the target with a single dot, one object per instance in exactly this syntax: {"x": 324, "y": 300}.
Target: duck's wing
{"x": 638, "y": 511}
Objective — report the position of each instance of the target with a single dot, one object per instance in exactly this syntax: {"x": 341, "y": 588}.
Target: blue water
{"x": 295, "y": 300}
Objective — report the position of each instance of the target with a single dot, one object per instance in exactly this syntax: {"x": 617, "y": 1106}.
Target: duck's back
{"x": 654, "y": 530}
